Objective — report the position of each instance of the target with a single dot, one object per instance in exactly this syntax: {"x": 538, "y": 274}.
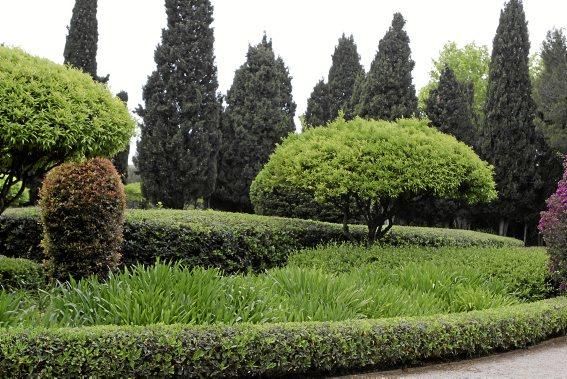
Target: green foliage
{"x": 318, "y": 111}
{"x": 276, "y": 349}
{"x": 511, "y": 271}
{"x": 389, "y": 93}
{"x": 259, "y": 114}
{"x": 82, "y": 41}
{"x": 20, "y": 199}
{"x": 449, "y": 108}
{"x": 551, "y": 90}
{"x": 470, "y": 64}
{"x": 82, "y": 212}
{"x": 378, "y": 165}
{"x": 180, "y": 133}
{"x": 120, "y": 160}
{"x": 49, "y": 114}
{"x": 231, "y": 242}
{"x": 16, "y": 274}
{"x": 510, "y": 140}
{"x": 134, "y": 197}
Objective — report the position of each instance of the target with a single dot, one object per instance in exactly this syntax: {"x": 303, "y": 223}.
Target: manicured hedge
{"x": 275, "y": 349}
{"x": 233, "y": 242}
{"x": 17, "y": 273}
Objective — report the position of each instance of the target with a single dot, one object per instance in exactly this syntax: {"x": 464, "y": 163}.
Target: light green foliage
{"x": 19, "y": 200}
{"x": 470, "y": 65}
{"x": 134, "y": 193}
{"x": 50, "y": 113}
{"x": 377, "y": 164}
{"x": 332, "y": 284}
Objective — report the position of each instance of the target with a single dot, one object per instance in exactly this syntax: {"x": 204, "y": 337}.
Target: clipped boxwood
{"x": 230, "y": 241}
{"x": 276, "y": 349}
{"x": 20, "y": 274}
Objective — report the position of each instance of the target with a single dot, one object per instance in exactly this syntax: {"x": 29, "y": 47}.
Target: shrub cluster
{"x": 82, "y": 212}
{"x": 20, "y": 274}
{"x": 276, "y": 349}
{"x": 553, "y": 225}
{"x": 229, "y": 241}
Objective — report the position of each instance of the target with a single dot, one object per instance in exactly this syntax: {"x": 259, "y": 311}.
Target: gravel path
{"x": 547, "y": 360}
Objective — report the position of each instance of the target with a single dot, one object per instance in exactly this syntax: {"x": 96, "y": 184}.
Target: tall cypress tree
{"x": 389, "y": 92}
{"x": 259, "y": 114}
{"x": 510, "y": 141}
{"x": 82, "y": 41}
{"x": 551, "y": 90}
{"x": 180, "y": 136}
{"x": 449, "y": 107}
{"x": 318, "y": 111}
{"x": 346, "y": 68}
{"x": 120, "y": 160}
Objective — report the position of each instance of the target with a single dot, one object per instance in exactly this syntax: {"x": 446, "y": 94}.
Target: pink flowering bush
{"x": 553, "y": 226}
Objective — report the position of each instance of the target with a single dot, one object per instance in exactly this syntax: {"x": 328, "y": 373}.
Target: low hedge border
{"x": 276, "y": 349}
{"x": 232, "y": 242}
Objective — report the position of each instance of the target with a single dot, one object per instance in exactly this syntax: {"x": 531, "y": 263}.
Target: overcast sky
{"x": 304, "y": 33}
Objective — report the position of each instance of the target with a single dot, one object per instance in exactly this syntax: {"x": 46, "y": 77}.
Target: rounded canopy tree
{"x": 369, "y": 168}
{"x": 49, "y": 114}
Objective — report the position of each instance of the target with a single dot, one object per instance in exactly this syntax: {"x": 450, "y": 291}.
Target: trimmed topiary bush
{"x": 553, "y": 225}
{"x": 49, "y": 114}
{"x": 20, "y": 274}
{"x": 82, "y": 211}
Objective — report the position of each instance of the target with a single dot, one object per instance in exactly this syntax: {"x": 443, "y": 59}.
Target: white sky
{"x": 304, "y": 33}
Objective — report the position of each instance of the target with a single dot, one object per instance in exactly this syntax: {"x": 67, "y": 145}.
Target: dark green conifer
{"x": 551, "y": 91}
{"x": 120, "y": 160}
{"x": 389, "y": 92}
{"x": 180, "y": 136}
{"x": 510, "y": 141}
{"x": 82, "y": 41}
{"x": 318, "y": 111}
{"x": 449, "y": 107}
{"x": 259, "y": 114}
{"x": 346, "y": 68}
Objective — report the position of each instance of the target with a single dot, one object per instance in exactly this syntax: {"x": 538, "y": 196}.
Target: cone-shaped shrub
{"x": 82, "y": 211}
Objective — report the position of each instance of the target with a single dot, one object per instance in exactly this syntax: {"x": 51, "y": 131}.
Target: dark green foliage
{"x": 259, "y": 114}
{"x": 82, "y": 212}
{"x": 180, "y": 134}
{"x": 231, "y": 242}
{"x": 345, "y": 70}
{"x": 20, "y": 274}
{"x": 295, "y": 203}
{"x": 276, "y": 349}
{"x": 120, "y": 160}
{"x": 318, "y": 111}
{"x": 389, "y": 92}
{"x": 82, "y": 41}
{"x": 510, "y": 140}
{"x": 551, "y": 90}
{"x": 449, "y": 107}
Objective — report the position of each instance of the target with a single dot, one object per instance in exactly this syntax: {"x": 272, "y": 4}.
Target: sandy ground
{"x": 547, "y": 360}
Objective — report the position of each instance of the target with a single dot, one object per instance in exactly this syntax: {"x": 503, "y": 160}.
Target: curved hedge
{"x": 230, "y": 241}
{"x": 276, "y": 349}
{"x": 18, "y": 274}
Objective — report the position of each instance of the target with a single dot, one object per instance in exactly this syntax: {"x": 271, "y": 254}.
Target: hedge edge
{"x": 276, "y": 349}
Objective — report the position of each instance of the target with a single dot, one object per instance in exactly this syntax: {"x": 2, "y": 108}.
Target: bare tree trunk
{"x": 525, "y": 234}
{"x": 503, "y": 227}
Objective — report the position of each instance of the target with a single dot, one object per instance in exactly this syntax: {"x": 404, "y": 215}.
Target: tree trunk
{"x": 372, "y": 228}
{"x": 503, "y": 227}
{"x": 525, "y": 234}
{"x": 346, "y": 230}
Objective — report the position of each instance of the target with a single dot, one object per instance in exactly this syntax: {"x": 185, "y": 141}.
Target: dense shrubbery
{"x": 20, "y": 274}
{"x": 50, "y": 113}
{"x": 232, "y": 242}
{"x": 276, "y": 349}
{"x": 369, "y": 169}
{"x": 82, "y": 212}
{"x": 520, "y": 272}
{"x": 553, "y": 225}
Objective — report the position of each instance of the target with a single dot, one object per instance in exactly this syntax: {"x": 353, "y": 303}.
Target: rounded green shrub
{"x": 82, "y": 211}
{"x": 377, "y": 166}
{"x": 49, "y": 114}
{"x": 17, "y": 274}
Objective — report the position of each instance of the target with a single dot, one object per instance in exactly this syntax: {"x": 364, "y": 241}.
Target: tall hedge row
{"x": 275, "y": 349}
{"x": 232, "y": 242}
